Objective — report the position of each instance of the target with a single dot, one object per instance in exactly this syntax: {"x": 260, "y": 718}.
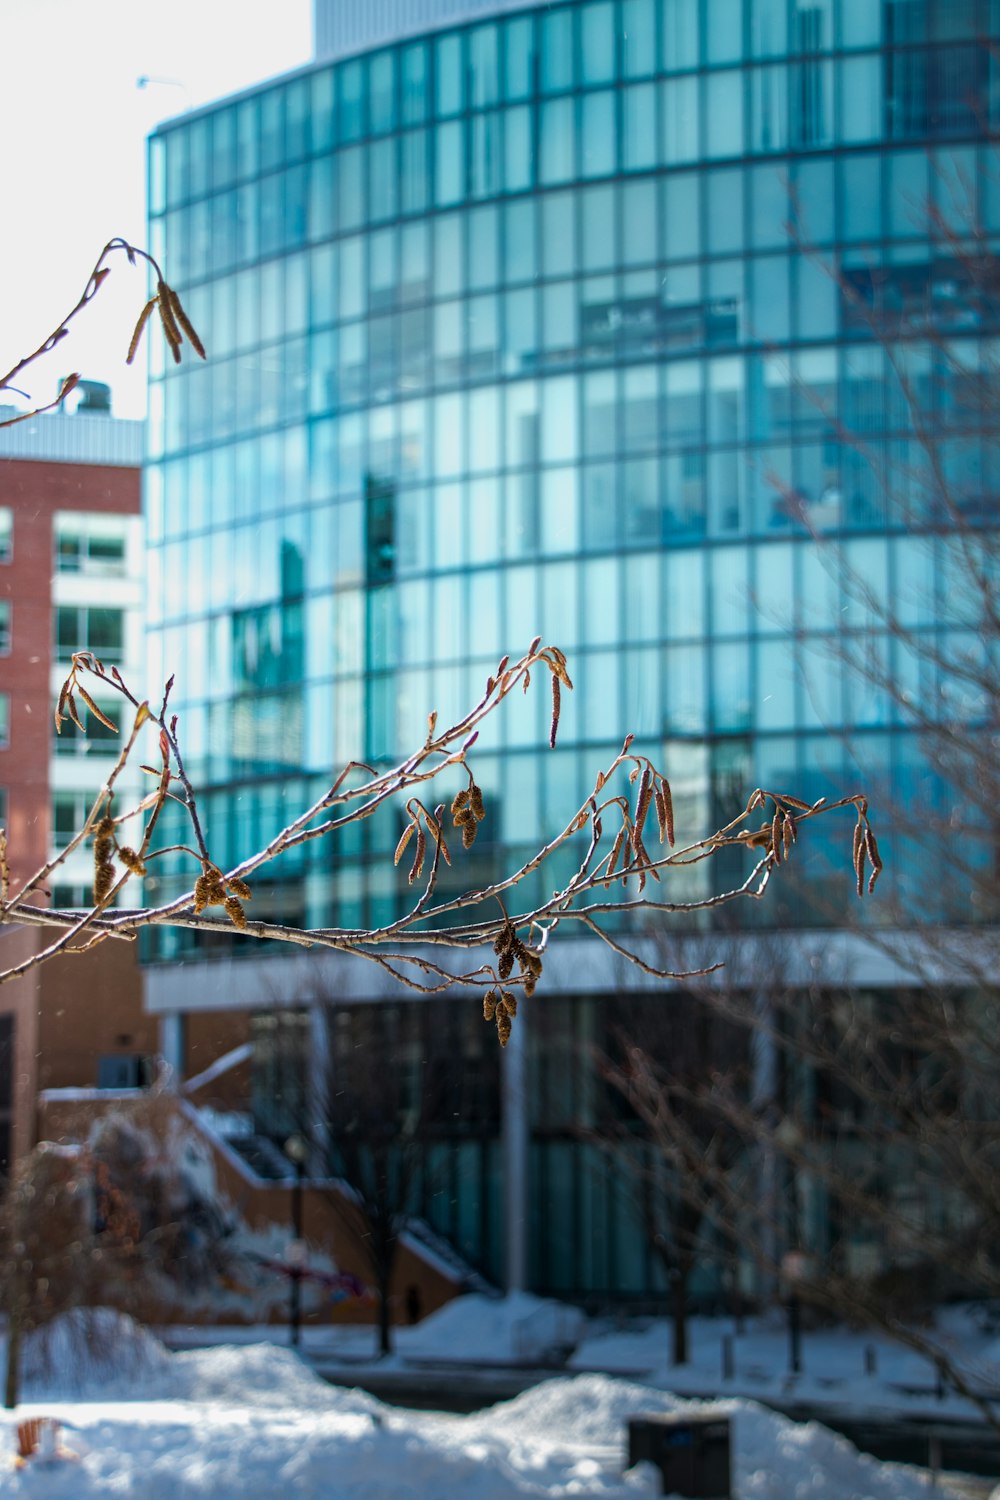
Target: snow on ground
{"x": 254, "y": 1422}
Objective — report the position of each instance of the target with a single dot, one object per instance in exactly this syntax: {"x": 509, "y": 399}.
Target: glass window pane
{"x": 382, "y": 92}
{"x": 415, "y": 83}
{"x": 598, "y": 228}
{"x": 599, "y": 144}
{"x": 724, "y": 114}
{"x": 413, "y": 172}
{"x": 725, "y": 212}
{"x": 558, "y": 234}
{"x": 483, "y": 237}
{"x": 682, "y": 216}
{"x": 861, "y": 102}
{"x": 769, "y": 299}
{"x": 557, "y": 141}
{"x": 724, "y": 30}
{"x": 519, "y": 57}
{"x": 639, "y": 126}
{"x": 679, "y": 35}
{"x": 483, "y": 66}
{"x": 557, "y": 51}
{"x": 449, "y": 184}
{"x": 597, "y": 42}
{"x": 517, "y": 149}
{"x": 484, "y": 156}
{"x": 352, "y": 101}
{"x": 860, "y": 197}
{"x": 559, "y": 432}
{"x": 679, "y": 119}
{"x": 769, "y": 27}
{"x": 450, "y": 74}
{"x": 768, "y": 109}
{"x": 520, "y": 254}
{"x": 639, "y": 210}
{"x": 638, "y": 38}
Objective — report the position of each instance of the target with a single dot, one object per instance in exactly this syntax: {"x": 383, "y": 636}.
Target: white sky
{"x": 74, "y": 156}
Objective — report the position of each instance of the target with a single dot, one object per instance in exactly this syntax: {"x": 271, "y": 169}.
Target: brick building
{"x": 70, "y": 578}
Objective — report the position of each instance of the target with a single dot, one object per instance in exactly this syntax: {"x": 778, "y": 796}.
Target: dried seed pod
{"x": 858, "y": 855}
{"x": 871, "y": 848}
{"x": 235, "y": 912}
{"x": 131, "y": 860}
{"x": 104, "y": 879}
{"x": 787, "y": 834}
{"x": 185, "y": 323}
{"x": 641, "y": 806}
{"x": 140, "y": 325}
{"x": 407, "y": 834}
{"x": 418, "y": 858}
{"x": 668, "y": 810}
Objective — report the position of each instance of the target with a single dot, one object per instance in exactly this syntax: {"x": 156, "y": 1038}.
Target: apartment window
{"x": 6, "y": 533}
{"x": 4, "y": 720}
{"x": 5, "y": 618}
{"x": 3, "y": 807}
{"x": 80, "y": 550}
{"x": 71, "y": 897}
{"x": 69, "y": 813}
{"x": 97, "y": 738}
{"x": 86, "y": 628}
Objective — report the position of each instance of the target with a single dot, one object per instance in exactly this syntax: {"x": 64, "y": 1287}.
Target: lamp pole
{"x": 296, "y": 1149}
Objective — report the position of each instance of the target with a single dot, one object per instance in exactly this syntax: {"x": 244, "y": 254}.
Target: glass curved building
{"x": 603, "y": 321}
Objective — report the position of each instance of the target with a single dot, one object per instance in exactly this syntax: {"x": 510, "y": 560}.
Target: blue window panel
{"x": 557, "y": 141}
{"x": 449, "y": 180}
{"x": 638, "y": 126}
{"x": 518, "y": 155}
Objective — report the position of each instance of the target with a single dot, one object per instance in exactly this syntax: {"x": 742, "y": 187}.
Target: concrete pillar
{"x": 514, "y": 1127}
{"x": 172, "y": 1045}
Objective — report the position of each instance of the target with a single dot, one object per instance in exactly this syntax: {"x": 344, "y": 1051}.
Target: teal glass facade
{"x": 561, "y": 323}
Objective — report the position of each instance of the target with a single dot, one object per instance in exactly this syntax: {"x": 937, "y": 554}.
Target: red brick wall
{"x": 35, "y": 490}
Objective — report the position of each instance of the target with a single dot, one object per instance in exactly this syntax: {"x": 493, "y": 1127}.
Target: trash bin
{"x": 691, "y": 1453}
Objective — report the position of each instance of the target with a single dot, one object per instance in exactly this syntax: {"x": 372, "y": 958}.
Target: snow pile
{"x": 255, "y": 1422}
{"x": 91, "y": 1348}
{"x": 517, "y": 1329}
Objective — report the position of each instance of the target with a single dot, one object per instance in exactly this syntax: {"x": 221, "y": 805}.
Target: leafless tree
{"x": 671, "y": 1071}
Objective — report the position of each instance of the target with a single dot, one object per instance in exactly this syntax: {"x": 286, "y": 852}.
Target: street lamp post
{"x": 793, "y": 1267}
{"x": 296, "y": 1149}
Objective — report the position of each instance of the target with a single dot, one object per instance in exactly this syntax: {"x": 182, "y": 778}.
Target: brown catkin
{"x": 185, "y": 323}
{"x": 235, "y": 912}
{"x": 510, "y": 1001}
{"x": 418, "y": 858}
{"x": 104, "y": 879}
{"x": 131, "y": 860}
{"x": 476, "y": 802}
{"x": 240, "y": 888}
{"x": 503, "y": 1026}
{"x": 140, "y": 325}
{"x": 489, "y": 1005}
{"x": 556, "y": 702}
{"x": 668, "y": 810}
